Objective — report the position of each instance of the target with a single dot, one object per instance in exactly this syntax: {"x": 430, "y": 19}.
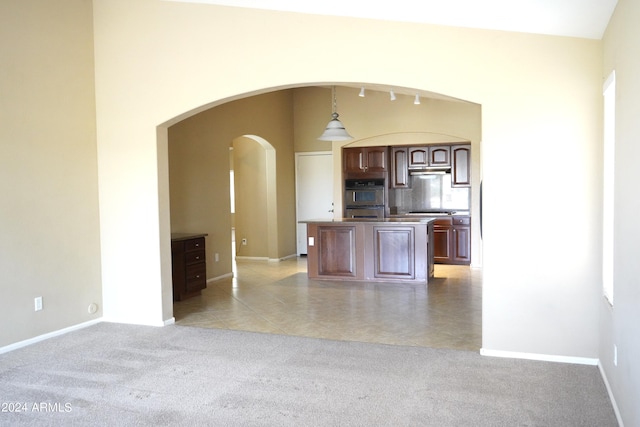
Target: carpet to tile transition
{"x": 113, "y": 374}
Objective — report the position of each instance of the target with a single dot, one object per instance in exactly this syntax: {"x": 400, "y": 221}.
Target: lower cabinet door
{"x": 336, "y": 251}
{"x": 462, "y": 245}
{"x": 441, "y": 244}
{"x": 394, "y": 252}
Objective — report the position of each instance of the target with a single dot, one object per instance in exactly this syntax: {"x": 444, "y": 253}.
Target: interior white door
{"x": 314, "y": 191}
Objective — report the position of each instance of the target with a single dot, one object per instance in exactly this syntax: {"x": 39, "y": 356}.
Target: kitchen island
{"x": 374, "y": 250}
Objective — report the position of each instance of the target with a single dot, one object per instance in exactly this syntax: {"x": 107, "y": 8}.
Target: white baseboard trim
{"x": 170, "y": 321}
{"x": 258, "y": 258}
{"x": 283, "y": 258}
{"x": 541, "y": 357}
{"x": 616, "y": 410}
{"x": 48, "y": 335}
{"x": 252, "y": 258}
{"x": 215, "y": 279}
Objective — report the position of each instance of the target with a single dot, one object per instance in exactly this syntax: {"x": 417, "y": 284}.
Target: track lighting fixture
{"x": 417, "y": 100}
{"x": 392, "y": 95}
{"x": 361, "y": 94}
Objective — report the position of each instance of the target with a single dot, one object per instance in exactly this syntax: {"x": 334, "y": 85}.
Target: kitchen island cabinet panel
{"x": 394, "y": 252}
{"x": 376, "y": 250}
{"x": 336, "y": 249}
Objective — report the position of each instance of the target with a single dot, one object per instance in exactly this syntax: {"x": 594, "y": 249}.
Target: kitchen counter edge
{"x": 370, "y": 220}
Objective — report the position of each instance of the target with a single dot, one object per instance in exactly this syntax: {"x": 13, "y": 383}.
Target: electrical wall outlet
{"x": 244, "y": 241}
{"x": 216, "y": 257}
{"x": 37, "y": 301}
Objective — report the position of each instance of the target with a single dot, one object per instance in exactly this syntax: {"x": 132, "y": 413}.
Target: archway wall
{"x": 199, "y": 178}
{"x": 157, "y": 62}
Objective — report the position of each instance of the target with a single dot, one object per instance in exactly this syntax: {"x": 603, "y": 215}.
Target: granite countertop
{"x": 430, "y": 214}
{"x": 403, "y": 220}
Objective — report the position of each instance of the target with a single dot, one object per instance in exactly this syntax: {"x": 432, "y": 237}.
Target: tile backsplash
{"x": 429, "y": 192}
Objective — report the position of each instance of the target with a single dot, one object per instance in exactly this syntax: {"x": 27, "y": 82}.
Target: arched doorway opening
{"x": 253, "y": 161}
{"x": 217, "y": 125}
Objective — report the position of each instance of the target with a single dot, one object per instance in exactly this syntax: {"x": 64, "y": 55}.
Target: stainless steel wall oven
{"x": 364, "y": 198}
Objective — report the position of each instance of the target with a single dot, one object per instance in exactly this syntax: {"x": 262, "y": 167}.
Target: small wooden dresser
{"x": 188, "y": 262}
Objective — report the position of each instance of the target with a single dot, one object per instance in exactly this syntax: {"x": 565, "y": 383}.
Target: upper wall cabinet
{"x": 461, "y": 166}
{"x": 425, "y": 156}
{"x": 439, "y": 155}
{"x": 418, "y": 157}
{"x": 399, "y": 176}
{"x": 365, "y": 161}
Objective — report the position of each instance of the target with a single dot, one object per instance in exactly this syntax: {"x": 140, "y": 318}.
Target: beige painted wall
{"x": 251, "y": 195}
{"x": 158, "y": 62}
{"x": 199, "y": 178}
{"x": 619, "y": 324}
{"x": 48, "y": 168}
{"x": 540, "y": 98}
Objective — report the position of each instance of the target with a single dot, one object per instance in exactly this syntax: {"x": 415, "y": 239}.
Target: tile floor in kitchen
{"x": 277, "y": 297}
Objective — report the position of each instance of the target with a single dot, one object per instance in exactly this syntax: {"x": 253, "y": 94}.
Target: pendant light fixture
{"x": 335, "y": 130}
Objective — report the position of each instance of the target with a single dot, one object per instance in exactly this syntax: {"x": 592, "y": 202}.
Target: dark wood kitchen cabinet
{"x": 429, "y": 155}
{"x": 394, "y": 252}
{"x": 364, "y": 162}
{"x": 370, "y": 250}
{"x": 461, "y": 166}
{"x": 442, "y": 229}
{"x": 336, "y": 246}
{"x": 418, "y": 157}
{"x": 461, "y": 237}
{"x": 439, "y": 155}
{"x": 452, "y": 240}
{"x": 399, "y": 174}
{"x": 188, "y": 263}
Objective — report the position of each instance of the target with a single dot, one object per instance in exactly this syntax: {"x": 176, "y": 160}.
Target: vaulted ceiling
{"x": 573, "y": 18}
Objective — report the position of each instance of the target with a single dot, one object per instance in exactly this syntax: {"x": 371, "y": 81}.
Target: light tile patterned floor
{"x": 279, "y": 298}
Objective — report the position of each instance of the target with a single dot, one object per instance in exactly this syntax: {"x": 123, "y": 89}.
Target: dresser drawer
{"x": 196, "y": 277}
{"x": 194, "y": 244}
{"x": 194, "y": 257}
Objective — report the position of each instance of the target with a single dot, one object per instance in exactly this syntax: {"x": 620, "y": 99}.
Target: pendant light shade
{"x": 335, "y": 130}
